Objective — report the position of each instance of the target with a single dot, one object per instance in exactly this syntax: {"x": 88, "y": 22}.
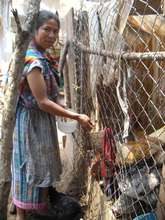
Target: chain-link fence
{"x": 116, "y": 66}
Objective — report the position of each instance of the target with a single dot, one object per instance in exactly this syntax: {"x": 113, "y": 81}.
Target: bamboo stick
{"x": 157, "y": 55}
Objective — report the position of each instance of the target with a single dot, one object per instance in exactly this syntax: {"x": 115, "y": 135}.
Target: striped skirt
{"x": 36, "y": 161}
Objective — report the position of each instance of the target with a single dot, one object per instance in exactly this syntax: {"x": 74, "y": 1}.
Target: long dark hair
{"x": 44, "y": 16}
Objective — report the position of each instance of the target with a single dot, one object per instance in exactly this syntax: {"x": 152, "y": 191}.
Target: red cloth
{"x": 108, "y": 148}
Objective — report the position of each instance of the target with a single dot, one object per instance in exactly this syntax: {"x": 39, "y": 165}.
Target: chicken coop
{"x": 115, "y": 73}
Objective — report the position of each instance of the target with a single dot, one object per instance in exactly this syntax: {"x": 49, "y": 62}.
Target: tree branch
{"x": 63, "y": 56}
{"x": 17, "y": 20}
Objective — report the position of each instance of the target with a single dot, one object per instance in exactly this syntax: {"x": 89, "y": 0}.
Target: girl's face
{"x": 46, "y": 35}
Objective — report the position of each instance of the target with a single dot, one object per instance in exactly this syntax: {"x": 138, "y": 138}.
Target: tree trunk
{"x": 9, "y": 108}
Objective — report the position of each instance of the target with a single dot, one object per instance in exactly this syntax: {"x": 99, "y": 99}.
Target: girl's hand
{"x": 85, "y": 121}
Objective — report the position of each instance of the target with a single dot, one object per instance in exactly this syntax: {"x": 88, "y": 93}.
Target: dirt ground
{"x": 11, "y": 217}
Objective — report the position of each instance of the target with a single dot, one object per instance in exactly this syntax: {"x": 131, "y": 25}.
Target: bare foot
{"x": 20, "y": 214}
{"x": 20, "y": 218}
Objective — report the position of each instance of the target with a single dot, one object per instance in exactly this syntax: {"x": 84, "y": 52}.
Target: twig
{"x": 101, "y": 35}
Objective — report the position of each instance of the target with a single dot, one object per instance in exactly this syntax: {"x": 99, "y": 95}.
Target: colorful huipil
{"x": 36, "y": 159}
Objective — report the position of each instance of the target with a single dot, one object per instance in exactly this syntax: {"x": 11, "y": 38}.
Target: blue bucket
{"x": 147, "y": 216}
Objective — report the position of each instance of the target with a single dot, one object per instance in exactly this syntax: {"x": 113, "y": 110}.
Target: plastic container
{"x": 66, "y": 125}
{"x": 147, "y": 216}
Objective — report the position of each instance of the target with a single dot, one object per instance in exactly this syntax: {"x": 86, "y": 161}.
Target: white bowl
{"x": 66, "y": 125}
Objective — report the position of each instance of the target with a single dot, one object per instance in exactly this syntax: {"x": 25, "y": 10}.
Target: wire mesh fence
{"x": 117, "y": 77}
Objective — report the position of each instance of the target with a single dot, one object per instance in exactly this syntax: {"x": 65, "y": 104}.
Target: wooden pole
{"x": 9, "y": 108}
{"x": 83, "y": 94}
{"x": 85, "y": 90}
{"x": 74, "y": 66}
{"x": 158, "y": 55}
{"x": 85, "y": 97}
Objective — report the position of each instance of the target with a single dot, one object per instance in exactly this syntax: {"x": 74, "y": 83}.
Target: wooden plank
{"x": 70, "y": 30}
{"x": 163, "y": 6}
{"x": 63, "y": 69}
{"x": 146, "y": 7}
